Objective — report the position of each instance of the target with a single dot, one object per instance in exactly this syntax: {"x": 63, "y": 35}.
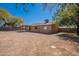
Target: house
{"x": 47, "y": 28}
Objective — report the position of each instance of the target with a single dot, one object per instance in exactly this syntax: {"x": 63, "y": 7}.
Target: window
{"x": 36, "y": 27}
{"x": 45, "y": 27}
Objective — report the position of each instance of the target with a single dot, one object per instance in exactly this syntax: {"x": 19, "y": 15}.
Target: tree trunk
{"x": 77, "y": 29}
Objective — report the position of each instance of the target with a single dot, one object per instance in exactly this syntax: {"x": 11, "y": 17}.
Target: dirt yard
{"x": 35, "y": 44}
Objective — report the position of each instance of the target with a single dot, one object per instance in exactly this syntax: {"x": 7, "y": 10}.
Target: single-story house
{"x": 41, "y": 28}
{"x": 44, "y": 28}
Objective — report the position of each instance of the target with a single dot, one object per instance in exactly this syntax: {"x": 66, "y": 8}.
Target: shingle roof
{"x": 37, "y": 24}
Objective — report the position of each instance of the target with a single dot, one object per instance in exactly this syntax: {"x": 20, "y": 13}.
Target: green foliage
{"x": 13, "y": 21}
{"x": 8, "y": 20}
{"x": 25, "y": 6}
{"x": 66, "y": 14}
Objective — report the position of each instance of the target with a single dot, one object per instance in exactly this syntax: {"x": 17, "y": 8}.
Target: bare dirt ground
{"x": 35, "y": 44}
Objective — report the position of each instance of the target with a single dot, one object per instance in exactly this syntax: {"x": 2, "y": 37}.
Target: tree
{"x": 25, "y": 6}
{"x": 13, "y": 21}
{"x": 65, "y": 15}
{"x": 3, "y": 16}
{"x": 9, "y": 20}
{"x": 67, "y": 11}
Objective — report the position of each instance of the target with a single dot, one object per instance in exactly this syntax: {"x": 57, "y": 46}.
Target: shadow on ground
{"x": 72, "y": 37}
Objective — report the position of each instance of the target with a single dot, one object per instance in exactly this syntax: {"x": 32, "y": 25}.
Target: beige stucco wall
{"x": 35, "y": 30}
{"x": 45, "y": 28}
{"x": 54, "y": 28}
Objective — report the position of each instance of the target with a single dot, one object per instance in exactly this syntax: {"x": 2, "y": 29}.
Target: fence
{"x": 70, "y": 30}
{"x": 8, "y": 28}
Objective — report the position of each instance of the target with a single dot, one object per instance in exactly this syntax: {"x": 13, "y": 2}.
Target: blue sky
{"x": 35, "y": 14}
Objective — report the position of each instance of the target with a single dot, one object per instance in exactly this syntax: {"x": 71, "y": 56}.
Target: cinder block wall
{"x": 70, "y": 30}
{"x": 8, "y": 28}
